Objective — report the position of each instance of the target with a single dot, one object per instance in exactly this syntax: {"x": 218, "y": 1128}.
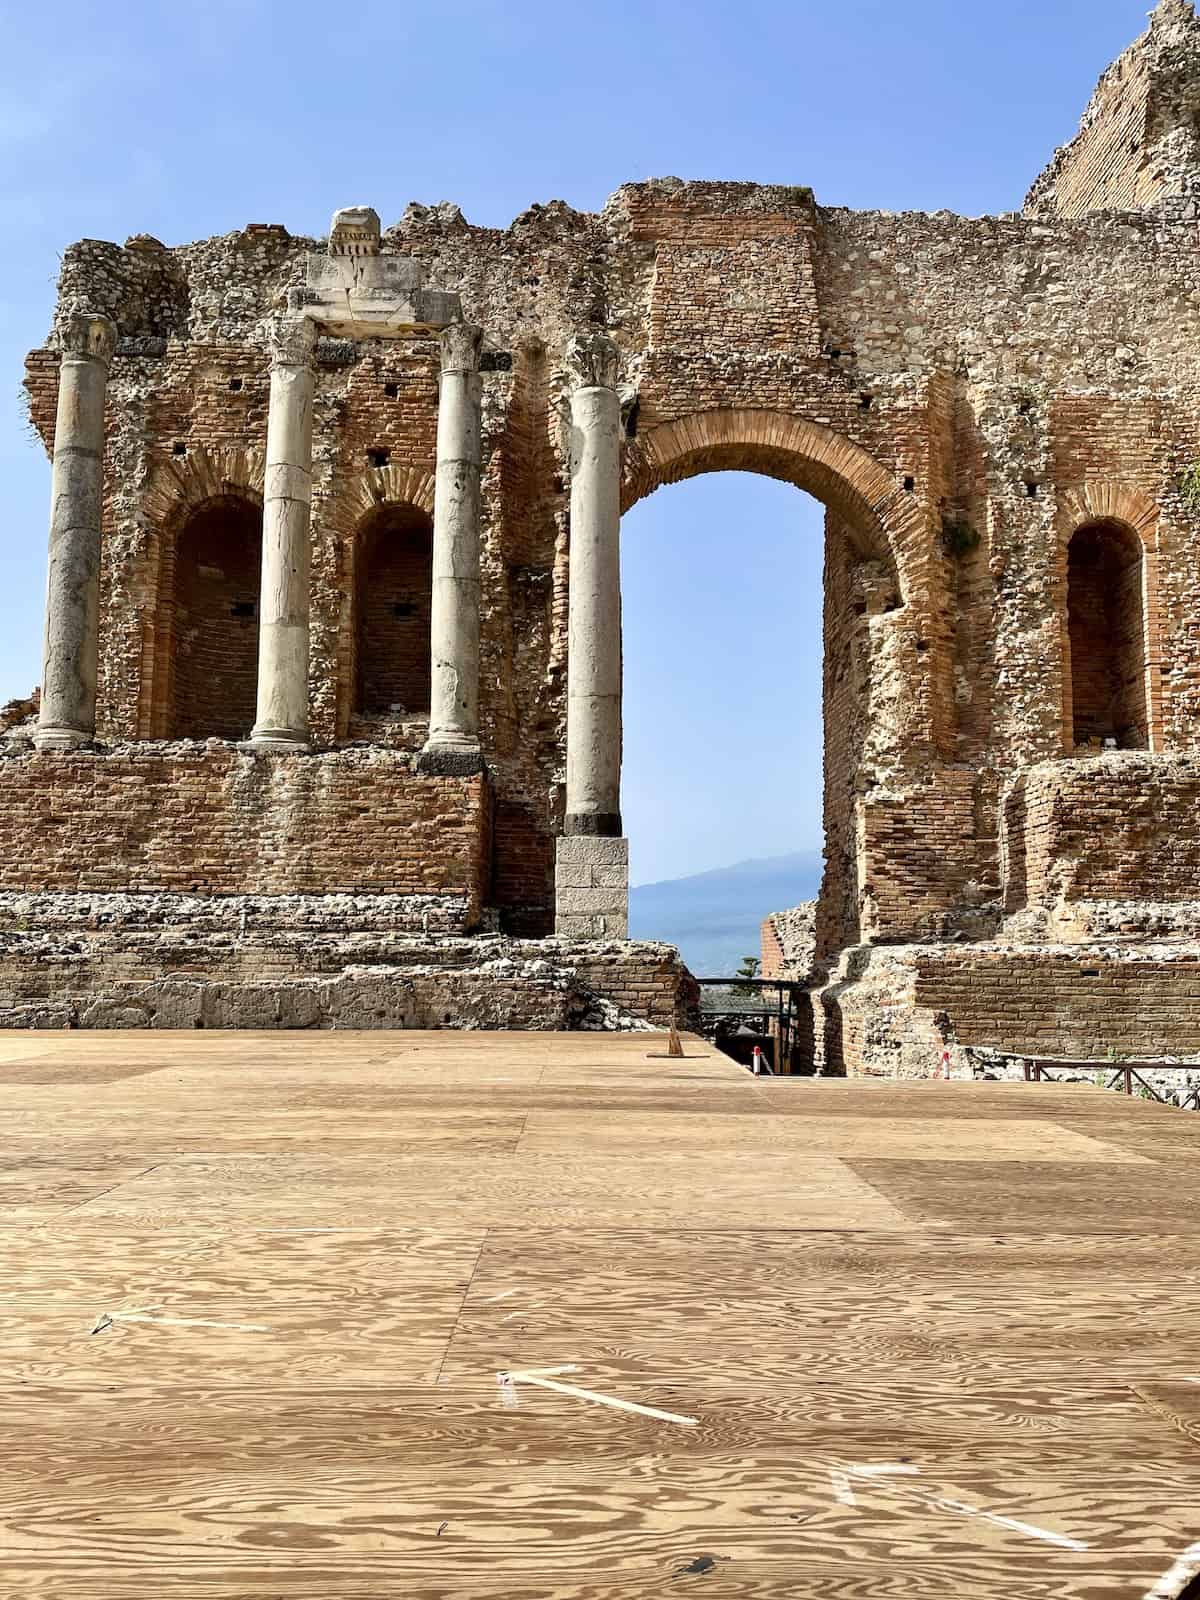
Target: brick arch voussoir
{"x": 369, "y": 491}
{"x": 1101, "y": 500}
{"x": 824, "y": 463}
{"x": 179, "y": 487}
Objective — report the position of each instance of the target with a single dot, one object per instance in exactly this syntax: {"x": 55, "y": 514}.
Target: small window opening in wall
{"x": 1090, "y": 972}
{"x": 922, "y": 646}
{"x": 403, "y": 610}
{"x": 1026, "y": 408}
{"x": 179, "y": 448}
{"x": 243, "y": 608}
{"x": 379, "y": 458}
{"x": 235, "y": 385}
{"x": 1032, "y": 490}
{"x": 865, "y": 401}
{"x": 909, "y": 485}
{"x": 559, "y": 486}
{"x": 391, "y": 390}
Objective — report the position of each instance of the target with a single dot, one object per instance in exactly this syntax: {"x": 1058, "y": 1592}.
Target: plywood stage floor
{"x": 783, "y": 1339}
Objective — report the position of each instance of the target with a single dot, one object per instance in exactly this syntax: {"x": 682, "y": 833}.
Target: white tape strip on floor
{"x": 1172, "y": 1584}
{"x": 544, "y": 1378}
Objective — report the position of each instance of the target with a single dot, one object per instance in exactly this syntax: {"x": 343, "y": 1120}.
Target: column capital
{"x": 89, "y": 336}
{"x": 593, "y": 361}
{"x": 292, "y": 341}
{"x": 461, "y": 346}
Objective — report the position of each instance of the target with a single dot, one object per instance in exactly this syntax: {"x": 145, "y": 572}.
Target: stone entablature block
{"x": 357, "y": 292}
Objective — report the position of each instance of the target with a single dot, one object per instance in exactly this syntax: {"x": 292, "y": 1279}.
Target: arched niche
{"x": 212, "y": 621}
{"x": 393, "y": 587}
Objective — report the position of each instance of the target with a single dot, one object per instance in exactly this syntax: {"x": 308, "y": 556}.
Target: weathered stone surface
{"x": 67, "y": 716}
{"x": 454, "y": 631}
{"x": 282, "y": 719}
{"x": 356, "y": 291}
{"x": 168, "y": 961}
{"x": 592, "y": 887}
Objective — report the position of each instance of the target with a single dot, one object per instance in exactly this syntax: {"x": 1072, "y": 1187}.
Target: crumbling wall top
{"x": 1139, "y": 140}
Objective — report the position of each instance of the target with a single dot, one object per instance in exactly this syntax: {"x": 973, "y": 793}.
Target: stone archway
{"x": 848, "y": 481}
{"x": 881, "y": 690}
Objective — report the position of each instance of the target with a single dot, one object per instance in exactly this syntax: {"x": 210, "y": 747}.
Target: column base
{"x": 49, "y": 740}
{"x": 439, "y": 760}
{"x": 591, "y": 888}
{"x": 281, "y": 741}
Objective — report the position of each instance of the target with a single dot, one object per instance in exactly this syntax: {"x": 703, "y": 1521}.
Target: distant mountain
{"x": 715, "y": 917}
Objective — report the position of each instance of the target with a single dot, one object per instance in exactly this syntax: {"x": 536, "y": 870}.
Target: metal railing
{"x": 729, "y": 1004}
{"x": 1118, "y": 1074}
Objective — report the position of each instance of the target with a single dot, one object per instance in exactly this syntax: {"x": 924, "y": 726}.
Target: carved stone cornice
{"x": 88, "y": 336}
{"x": 354, "y": 232}
{"x": 593, "y": 361}
{"x": 461, "y": 346}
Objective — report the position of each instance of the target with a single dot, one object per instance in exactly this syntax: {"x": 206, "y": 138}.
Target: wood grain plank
{"x": 998, "y": 1287}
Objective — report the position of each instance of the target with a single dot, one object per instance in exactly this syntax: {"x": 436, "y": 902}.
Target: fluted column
{"x": 282, "y": 719}
{"x": 592, "y": 874}
{"x": 453, "y": 744}
{"x": 67, "y": 717}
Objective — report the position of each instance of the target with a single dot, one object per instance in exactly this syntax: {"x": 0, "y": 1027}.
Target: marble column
{"x": 282, "y": 718}
{"x": 453, "y": 744}
{"x": 592, "y": 871}
{"x": 67, "y": 717}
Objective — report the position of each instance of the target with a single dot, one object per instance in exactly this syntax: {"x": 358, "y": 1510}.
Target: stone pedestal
{"x": 67, "y": 717}
{"x": 591, "y": 888}
{"x": 453, "y": 743}
{"x": 282, "y": 718}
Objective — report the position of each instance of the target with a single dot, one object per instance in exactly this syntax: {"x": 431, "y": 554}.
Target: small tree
{"x": 749, "y": 969}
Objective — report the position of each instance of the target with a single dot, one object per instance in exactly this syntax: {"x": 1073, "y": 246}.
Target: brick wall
{"x": 920, "y": 852}
{"x": 395, "y": 585}
{"x": 771, "y": 959}
{"x": 220, "y": 821}
{"x": 213, "y": 626}
{"x": 1062, "y": 1003}
{"x": 1118, "y": 827}
{"x": 1138, "y": 132}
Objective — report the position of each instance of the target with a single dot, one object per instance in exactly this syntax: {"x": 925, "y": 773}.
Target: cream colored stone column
{"x": 67, "y": 717}
{"x": 282, "y": 719}
{"x": 453, "y": 744}
{"x": 592, "y": 871}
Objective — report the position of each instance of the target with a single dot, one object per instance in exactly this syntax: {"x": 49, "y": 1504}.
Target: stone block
{"x": 574, "y": 926}
{"x": 574, "y": 875}
{"x": 595, "y": 851}
{"x": 592, "y": 887}
{"x": 611, "y": 877}
{"x": 591, "y": 902}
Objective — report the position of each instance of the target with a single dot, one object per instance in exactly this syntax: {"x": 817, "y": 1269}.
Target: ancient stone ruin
{"x": 330, "y": 721}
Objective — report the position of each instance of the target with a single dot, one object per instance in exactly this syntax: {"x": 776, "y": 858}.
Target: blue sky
{"x": 195, "y": 118}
